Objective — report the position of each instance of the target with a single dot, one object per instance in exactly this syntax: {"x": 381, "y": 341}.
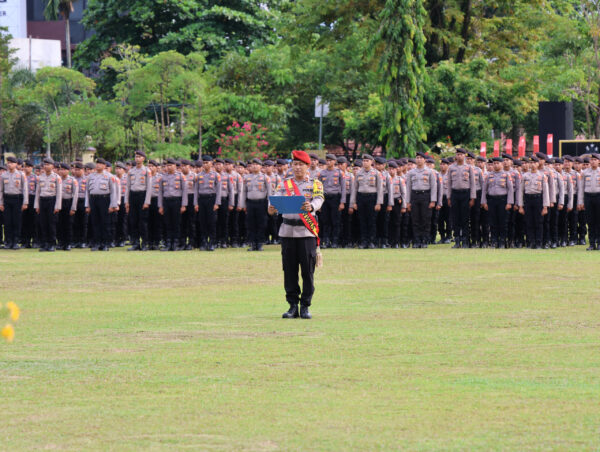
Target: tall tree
{"x": 401, "y": 42}
{"x": 55, "y": 9}
{"x": 6, "y": 63}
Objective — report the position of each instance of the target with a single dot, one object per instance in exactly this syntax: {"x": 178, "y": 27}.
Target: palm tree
{"x": 61, "y": 8}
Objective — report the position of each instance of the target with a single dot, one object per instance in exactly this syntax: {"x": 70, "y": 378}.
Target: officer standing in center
{"x": 137, "y": 202}
{"x": 101, "y": 200}
{"x": 254, "y": 201}
{"x": 207, "y": 201}
{"x": 498, "y": 198}
{"x": 367, "y": 199}
{"x": 461, "y": 197}
{"x": 172, "y": 202}
{"x": 48, "y": 201}
{"x": 421, "y": 198}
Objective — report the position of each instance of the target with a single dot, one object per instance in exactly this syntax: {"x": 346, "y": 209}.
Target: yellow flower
{"x": 8, "y": 332}
{"x": 15, "y": 312}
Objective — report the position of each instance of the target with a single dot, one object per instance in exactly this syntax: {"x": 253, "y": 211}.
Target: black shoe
{"x": 416, "y": 245}
{"x": 582, "y": 242}
{"x": 404, "y": 246}
{"x": 144, "y": 247}
{"x": 43, "y": 249}
{"x": 553, "y": 245}
{"x": 235, "y": 245}
{"x": 95, "y": 248}
{"x": 592, "y": 248}
{"x": 394, "y": 246}
{"x": 304, "y": 313}
{"x": 292, "y": 313}
{"x": 424, "y": 245}
{"x": 259, "y": 247}
{"x": 371, "y": 246}
{"x": 15, "y": 246}
{"x": 167, "y": 247}
{"x": 457, "y": 245}
{"x": 501, "y": 245}
{"x": 334, "y": 245}
{"x": 135, "y": 247}
{"x": 67, "y": 248}
{"x": 324, "y": 245}
{"x": 51, "y": 248}
{"x": 572, "y": 243}
{"x": 210, "y": 247}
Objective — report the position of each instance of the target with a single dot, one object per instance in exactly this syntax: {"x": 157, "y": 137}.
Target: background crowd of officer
{"x": 504, "y": 202}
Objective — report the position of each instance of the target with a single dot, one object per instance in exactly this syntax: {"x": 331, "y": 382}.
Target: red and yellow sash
{"x": 307, "y": 218}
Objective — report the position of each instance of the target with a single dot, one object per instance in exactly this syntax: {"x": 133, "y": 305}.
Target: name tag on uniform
{"x": 103, "y": 186}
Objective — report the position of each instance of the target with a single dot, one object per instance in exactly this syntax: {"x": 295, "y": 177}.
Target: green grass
{"x": 408, "y": 349}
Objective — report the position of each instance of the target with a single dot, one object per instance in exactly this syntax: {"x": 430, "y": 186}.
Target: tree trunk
{"x": 181, "y": 120}
{"x": 199, "y": 129}
{"x": 48, "y": 151}
{"x": 162, "y": 115}
{"x": 68, "y": 38}
{"x": 466, "y": 9}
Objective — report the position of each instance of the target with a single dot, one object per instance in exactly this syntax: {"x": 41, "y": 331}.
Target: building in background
{"x": 39, "y": 27}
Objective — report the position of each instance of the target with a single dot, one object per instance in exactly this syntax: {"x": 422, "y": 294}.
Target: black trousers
{"x": 497, "y": 218}
{"x": 234, "y": 235}
{"x": 484, "y": 225}
{"x": 207, "y": 219}
{"x": 553, "y": 222}
{"x": 346, "y": 224}
{"x": 572, "y": 221}
{"x": 435, "y": 215}
{"x": 367, "y": 216}
{"x": 396, "y": 222}
{"x": 13, "y": 205}
{"x": 99, "y": 205}
{"x": 223, "y": 221}
{"x": 65, "y": 224}
{"x": 188, "y": 224}
{"x": 519, "y": 227}
{"x": 28, "y": 223}
{"x": 330, "y": 218}
{"x": 47, "y": 221}
{"x": 256, "y": 220}
{"x": 475, "y": 218}
{"x": 242, "y": 227}
{"x": 460, "y": 214}
{"x": 444, "y": 224}
{"x": 563, "y": 223}
{"x": 154, "y": 222}
{"x": 138, "y": 218}
{"x": 420, "y": 215}
{"x": 172, "y": 215}
{"x": 299, "y": 253}
{"x": 272, "y": 229}
{"x": 406, "y": 229}
{"x": 122, "y": 223}
{"x": 546, "y": 227}
{"x": 382, "y": 221}
{"x": 591, "y": 201}
{"x": 80, "y": 222}
{"x": 533, "y": 205}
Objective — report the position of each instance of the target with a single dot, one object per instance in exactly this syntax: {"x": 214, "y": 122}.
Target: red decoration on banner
{"x": 508, "y": 147}
{"x": 522, "y": 147}
{"x": 536, "y": 144}
{"x": 549, "y": 145}
{"x": 483, "y": 150}
{"x": 496, "y": 148}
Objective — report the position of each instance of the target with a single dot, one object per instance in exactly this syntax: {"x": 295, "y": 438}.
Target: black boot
{"x": 304, "y": 313}
{"x": 292, "y": 313}
{"x": 167, "y": 246}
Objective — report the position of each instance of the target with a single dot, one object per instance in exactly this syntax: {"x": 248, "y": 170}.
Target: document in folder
{"x": 287, "y": 204}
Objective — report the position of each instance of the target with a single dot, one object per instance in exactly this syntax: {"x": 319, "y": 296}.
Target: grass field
{"x": 408, "y": 349}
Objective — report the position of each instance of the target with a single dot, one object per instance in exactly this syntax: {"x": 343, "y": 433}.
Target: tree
{"x": 215, "y": 26}
{"x": 402, "y": 72}
{"x": 61, "y": 8}
{"x": 6, "y": 64}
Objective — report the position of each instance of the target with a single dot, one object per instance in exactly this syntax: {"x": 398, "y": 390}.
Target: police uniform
{"x": 70, "y": 194}
{"x": 188, "y": 218}
{"x": 497, "y": 193}
{"x": 475, "y": 211}
{"x": 223, "y": 214}
{"x": 334, "y": 186}
{"x": 398, "y": 197}
{"x": 101, "y": 195}
{"x": 461, "y": 190}
{"x": 207, "y": 196}
{"x": 589, "y": 197}
{"x": 138, "y": 196}
{"x": 257, "y": 189}
{"x": 48, "y": 201}
{"x": 272, "y": 221}
{"x": 154, "y": 217}
{"x": 345, "y": 218}
{"x": 237, "y": 184}
{"x": 14, "y": 196}
{"x": 298, "y": 243}
{"x": 80, "y": 219}
{"x": 366, "y": 194}
{"x": 444, "y": 227}
{"x": 29, "y": 227}
{"x": 172, "y": 197}
{"x": 382, "y": 221}
{"x": 533, "y": 196}
{"x": 567, "y": 205}
{"x": 421, "y": 190}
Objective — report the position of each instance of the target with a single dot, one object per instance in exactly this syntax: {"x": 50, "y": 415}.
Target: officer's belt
{"x": 293, "y": 222}
{"x": 100, "y": 196}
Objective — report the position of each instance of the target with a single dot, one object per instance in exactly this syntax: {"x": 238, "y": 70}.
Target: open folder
{"x": 287, "y": 204}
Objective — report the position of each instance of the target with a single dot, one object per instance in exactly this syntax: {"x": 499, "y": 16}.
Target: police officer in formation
{"x": 371, "y": 203}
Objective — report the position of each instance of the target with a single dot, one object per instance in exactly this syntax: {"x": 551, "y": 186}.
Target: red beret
{"x": 302, "y": 156}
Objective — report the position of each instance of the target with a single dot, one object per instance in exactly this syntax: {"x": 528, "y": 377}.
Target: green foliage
{"x": 402, "y": 73}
